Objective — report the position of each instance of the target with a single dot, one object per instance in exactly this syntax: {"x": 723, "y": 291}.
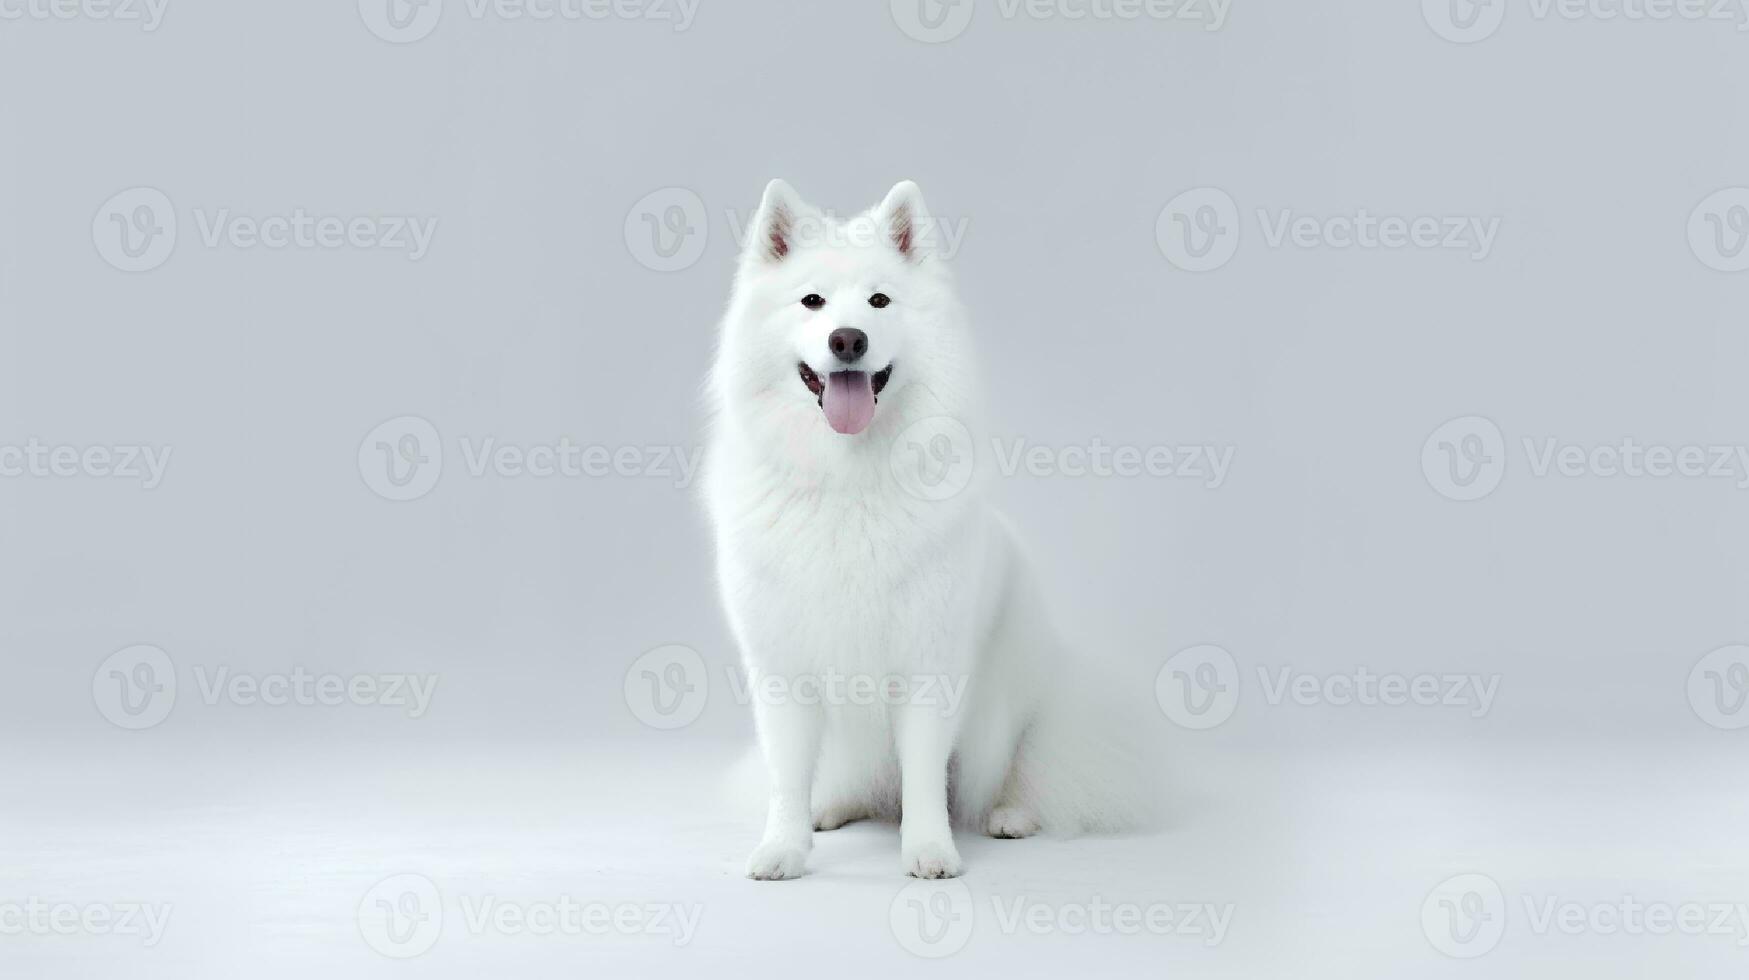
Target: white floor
{"x": 1318, "y": 862}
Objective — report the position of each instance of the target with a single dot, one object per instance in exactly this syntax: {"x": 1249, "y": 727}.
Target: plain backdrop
{"x": 548, "y": 152}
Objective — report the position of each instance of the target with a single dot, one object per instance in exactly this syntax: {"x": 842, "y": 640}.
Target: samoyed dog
{"x": 899, "y": 662}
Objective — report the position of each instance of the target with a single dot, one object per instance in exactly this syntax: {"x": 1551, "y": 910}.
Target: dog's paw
{"x": 834, "y": 816}
{"x": 1011, "y": 822}
{"x": 776, "y": 861}
{"x": 934, "y": 859}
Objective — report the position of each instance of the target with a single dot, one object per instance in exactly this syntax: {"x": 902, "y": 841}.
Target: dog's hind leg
{"x": 836, "y": 813}
{"x": 855, "y": 774}
{"x": 1014, "y": 814}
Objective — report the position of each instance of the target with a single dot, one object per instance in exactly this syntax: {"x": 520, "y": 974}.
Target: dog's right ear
{"x": 773, "y": 232}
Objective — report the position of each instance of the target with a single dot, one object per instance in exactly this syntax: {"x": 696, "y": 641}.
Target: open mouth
{"x": 847, "y": 397}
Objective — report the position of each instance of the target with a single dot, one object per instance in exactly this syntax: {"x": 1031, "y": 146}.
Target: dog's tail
{"x": 1086, "y": 763}
{"x": 1088, "y": 758}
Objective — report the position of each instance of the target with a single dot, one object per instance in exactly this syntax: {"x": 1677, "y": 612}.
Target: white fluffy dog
{"x": 899, "y": 661}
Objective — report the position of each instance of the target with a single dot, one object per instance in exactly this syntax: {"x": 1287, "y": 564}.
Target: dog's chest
{"x": 815, "y": 580}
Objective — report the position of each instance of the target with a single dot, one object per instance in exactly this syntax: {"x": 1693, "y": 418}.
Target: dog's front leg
{"x": 924, "y": 739}
{"x": 789, "y": 734}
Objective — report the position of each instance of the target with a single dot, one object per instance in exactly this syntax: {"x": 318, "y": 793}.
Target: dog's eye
{"x": 879, "y": 301}
{"x": 813, "y": 301}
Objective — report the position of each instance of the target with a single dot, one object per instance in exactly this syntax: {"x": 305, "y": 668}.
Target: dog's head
{"x": 834, "y": 323}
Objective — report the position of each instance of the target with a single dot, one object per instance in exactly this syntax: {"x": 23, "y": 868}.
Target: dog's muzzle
{"x": 847, "y": 397}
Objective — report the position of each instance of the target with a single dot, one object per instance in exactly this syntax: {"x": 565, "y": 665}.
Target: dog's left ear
{"x": 904, "y": 219}
{"x": 773, "y": 231}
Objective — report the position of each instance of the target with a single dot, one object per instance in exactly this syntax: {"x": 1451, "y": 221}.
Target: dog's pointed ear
{"x": 773, "y": 233}
{"x": 904, "y": 220}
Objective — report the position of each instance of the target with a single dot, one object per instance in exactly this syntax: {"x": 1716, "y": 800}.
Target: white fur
{"x": 829, "y": 567}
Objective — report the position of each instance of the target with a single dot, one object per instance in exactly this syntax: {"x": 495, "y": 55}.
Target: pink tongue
{"x": 849, "y": 401}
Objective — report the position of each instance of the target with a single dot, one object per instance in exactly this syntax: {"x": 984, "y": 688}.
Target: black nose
{"x": 848, "y": 344}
